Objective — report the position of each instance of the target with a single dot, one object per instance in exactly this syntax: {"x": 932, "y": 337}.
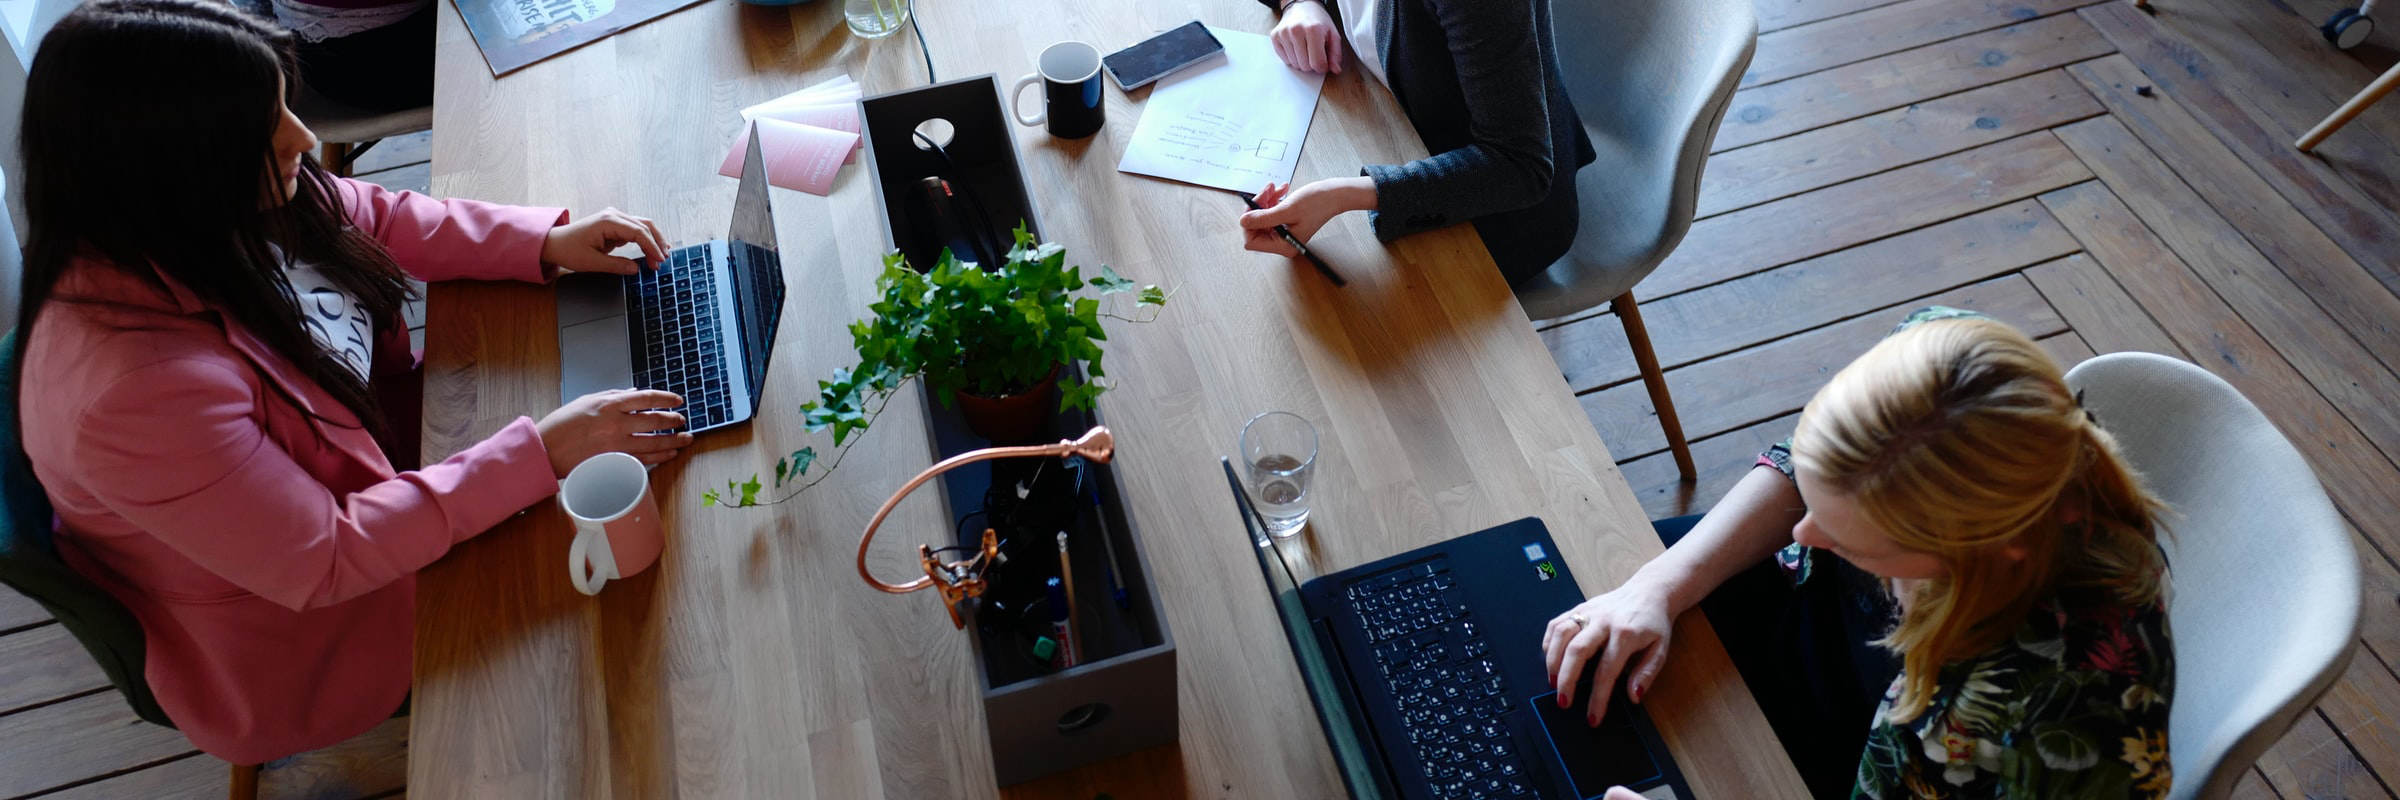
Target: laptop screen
{"x": 757, "y": 270}
{"x": 1350, "y": 750}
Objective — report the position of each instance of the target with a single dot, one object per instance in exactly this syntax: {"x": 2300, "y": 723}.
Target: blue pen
{"x": 1059, "y": 625}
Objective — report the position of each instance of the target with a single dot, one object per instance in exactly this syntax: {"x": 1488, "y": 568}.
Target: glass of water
{"x": 875, "y": 19}
{"x": 1279, "y": 449}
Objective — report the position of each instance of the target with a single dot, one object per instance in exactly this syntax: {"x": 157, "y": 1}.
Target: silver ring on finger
{"x": 1578, "y": 619}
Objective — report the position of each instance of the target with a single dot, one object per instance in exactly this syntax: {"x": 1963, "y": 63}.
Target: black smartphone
{"x": 1135, "y": 67}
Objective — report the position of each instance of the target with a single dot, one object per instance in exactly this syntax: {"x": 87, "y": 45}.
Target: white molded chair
{"x": 1651, "y": 81}
{"x": 2266, "y": 584}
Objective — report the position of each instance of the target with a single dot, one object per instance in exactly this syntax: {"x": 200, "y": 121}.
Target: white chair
{"x": 2266, "y": 603}
{"x": 1650, "y": 80}
{"x": 348, "y": 132}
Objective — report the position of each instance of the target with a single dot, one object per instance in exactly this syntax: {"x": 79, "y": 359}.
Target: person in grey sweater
{"x": 1480, "y": 82}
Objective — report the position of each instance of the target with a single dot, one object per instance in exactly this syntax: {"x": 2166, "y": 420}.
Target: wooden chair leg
{"x": 1629, "y": 312}
{"x": 2383, "y": 85}
{"x": 332, "y": 156}
{"x": 245, "y": 782}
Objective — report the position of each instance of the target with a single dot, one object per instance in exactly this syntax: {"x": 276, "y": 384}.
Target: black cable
{"x": 916, "y": 23}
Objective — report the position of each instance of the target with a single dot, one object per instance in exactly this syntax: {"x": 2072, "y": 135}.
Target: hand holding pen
{"x": 1282, "y": 219}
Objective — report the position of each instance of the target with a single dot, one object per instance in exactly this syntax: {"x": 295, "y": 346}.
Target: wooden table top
{"x": 752, "y": 661}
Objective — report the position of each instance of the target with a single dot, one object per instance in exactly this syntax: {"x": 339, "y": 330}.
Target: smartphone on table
{"x": 1137, "y": 66}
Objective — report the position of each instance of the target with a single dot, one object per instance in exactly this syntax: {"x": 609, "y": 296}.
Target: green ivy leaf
{"x": 781, "y": 464}
{"x": 801, "y": 459}
{"x": 1110, "y": 282}
{"x": 750, "y": 491}
{"x": 708, "y": 498}
{"x": 1152, "y": 296}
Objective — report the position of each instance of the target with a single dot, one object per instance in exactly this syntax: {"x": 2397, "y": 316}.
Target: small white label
{"x": 1533, "y": 552}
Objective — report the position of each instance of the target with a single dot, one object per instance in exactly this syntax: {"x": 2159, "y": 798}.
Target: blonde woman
{"x": 1997, "y": 573}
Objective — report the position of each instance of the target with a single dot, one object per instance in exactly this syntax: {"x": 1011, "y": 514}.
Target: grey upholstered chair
{"x": 1651, "y": 80}
{"x": 349, "y": 132}
{"x": 2265, "y": 606}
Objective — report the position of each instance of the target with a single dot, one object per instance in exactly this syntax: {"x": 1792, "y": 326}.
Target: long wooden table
{"x": 752, "y": 662}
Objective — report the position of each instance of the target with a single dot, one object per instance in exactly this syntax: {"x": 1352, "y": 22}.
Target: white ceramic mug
{"x": 617, "y": 529}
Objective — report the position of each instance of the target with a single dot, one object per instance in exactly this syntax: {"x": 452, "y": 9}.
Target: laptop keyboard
{"x": 677, "y": 344}
{"x": 1435, "y": 660}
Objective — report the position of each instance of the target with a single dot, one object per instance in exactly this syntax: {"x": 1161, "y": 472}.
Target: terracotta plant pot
{"x": 1012, "y": 419}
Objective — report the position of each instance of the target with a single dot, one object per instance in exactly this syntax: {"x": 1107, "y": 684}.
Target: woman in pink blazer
{"x": 210, "y": 347}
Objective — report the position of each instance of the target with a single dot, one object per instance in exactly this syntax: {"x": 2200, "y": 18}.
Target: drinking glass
{"x": 875, "y": 19}
{"x": 1279, "y": 449}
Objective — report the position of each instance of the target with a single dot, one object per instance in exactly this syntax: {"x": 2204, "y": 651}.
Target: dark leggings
{"x": 1803, "y": 650}
{"x": 385, "y": 69}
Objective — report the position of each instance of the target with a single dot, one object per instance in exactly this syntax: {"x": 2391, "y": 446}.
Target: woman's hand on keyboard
{"x": 616, "y": 420}
{"x": 1612, "y": 629}
{"x": 584, "y": 245}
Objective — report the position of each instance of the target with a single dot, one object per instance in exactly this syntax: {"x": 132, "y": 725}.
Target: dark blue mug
{"x": 1071, "y": 102}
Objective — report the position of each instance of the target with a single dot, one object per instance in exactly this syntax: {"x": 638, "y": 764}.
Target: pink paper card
{"x": 799, "y": 157}
{"x": 831, "y": 117}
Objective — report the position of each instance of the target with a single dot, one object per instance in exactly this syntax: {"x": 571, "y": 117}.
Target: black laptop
{"x": 1426, "y": 670}
{"x": 700, "y": 325}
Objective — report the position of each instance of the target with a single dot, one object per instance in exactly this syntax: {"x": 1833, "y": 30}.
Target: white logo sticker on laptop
{"x": 1533, "y": 552}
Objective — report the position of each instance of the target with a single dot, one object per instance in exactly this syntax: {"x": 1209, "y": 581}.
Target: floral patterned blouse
{"x": 2075, "y": 706}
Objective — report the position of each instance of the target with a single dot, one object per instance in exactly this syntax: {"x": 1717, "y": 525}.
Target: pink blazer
{"x": 270, "y": 557}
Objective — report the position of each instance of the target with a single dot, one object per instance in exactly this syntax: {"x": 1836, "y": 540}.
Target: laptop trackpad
{"x": 1596, "y": 758}
{"x": 593, "y": 356}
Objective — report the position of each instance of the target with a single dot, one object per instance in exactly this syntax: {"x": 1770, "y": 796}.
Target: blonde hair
{"x": 1960, "y": 439}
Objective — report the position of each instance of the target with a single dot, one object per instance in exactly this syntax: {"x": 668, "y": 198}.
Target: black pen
{"x": 1286, "y": 233}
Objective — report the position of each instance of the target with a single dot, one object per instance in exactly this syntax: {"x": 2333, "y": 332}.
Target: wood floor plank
{"x": 2360, "y": 387}
{"x": 2288, "y": 70}
{"x": 2096, "y": 307}
{"x": 2367, "y": 229}
{"x": 1763, "y": 382}
{"x": 409, "y": 178}
{"x": 44, "y": 664}
{"x": 2253, "y": 786}
{"x": 1721, "y": 461}
{"x": 17, "y": 611}
{"x": 1781, "y": 109}
{"x": 79, "y": 739}
{"x": 1760, "y": 237}
{"x": 1800, "y": 50}
{"x": 2345, "y": 289}
{"x": 1775, "y": 15}
{"x": 1593, "y": 353}
{"x": 2067, "y": 349}
{"x": 199, "y": 776}
{"x": 1868, "y": 145}
{"x": 398, "y": 151}
{"x": 2361, "y": 707}
{"x": 366, "y": 765}
{"x": 2353, "y": 473}
{"x": 2312, "y": 762}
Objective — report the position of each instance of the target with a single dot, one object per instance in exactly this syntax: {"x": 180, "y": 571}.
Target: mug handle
{"x": 588, "y": 577}
{"x": 1016, "y": 103}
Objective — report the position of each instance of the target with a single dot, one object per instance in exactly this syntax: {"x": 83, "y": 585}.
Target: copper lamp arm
{"x": 1095, "y": 445}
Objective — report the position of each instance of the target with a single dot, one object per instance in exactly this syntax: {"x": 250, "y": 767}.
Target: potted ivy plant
{"x": 999, "y": 342}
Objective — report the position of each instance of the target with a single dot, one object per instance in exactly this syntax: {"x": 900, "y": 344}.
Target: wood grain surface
{"x": 752, "y": 662}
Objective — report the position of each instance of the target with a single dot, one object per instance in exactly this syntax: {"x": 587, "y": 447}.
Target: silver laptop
{"x": 700, "y": 325}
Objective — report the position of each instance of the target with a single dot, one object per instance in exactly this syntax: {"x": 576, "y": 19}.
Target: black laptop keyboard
{"x": 1437, "y": 663}
{"x": 677, "y": 344}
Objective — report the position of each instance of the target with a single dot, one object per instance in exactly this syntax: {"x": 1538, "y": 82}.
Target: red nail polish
{"x": 1637, "y": 693}
{"x": 1562, "y": 699}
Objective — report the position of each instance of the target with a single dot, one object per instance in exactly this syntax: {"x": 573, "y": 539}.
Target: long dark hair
{"x": 111, "y": 83}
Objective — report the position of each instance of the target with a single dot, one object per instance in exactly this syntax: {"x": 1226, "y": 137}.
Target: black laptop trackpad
{"x": 1597, "y": 758}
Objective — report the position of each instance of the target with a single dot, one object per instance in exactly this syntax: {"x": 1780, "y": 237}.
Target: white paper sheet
{"x": 1236, "y": 125}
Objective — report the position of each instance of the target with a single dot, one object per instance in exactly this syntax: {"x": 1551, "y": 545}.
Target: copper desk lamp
{"x": 964, "y": 578}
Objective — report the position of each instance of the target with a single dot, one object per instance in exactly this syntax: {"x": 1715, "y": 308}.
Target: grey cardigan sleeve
{"x": 1498, "y": 52}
